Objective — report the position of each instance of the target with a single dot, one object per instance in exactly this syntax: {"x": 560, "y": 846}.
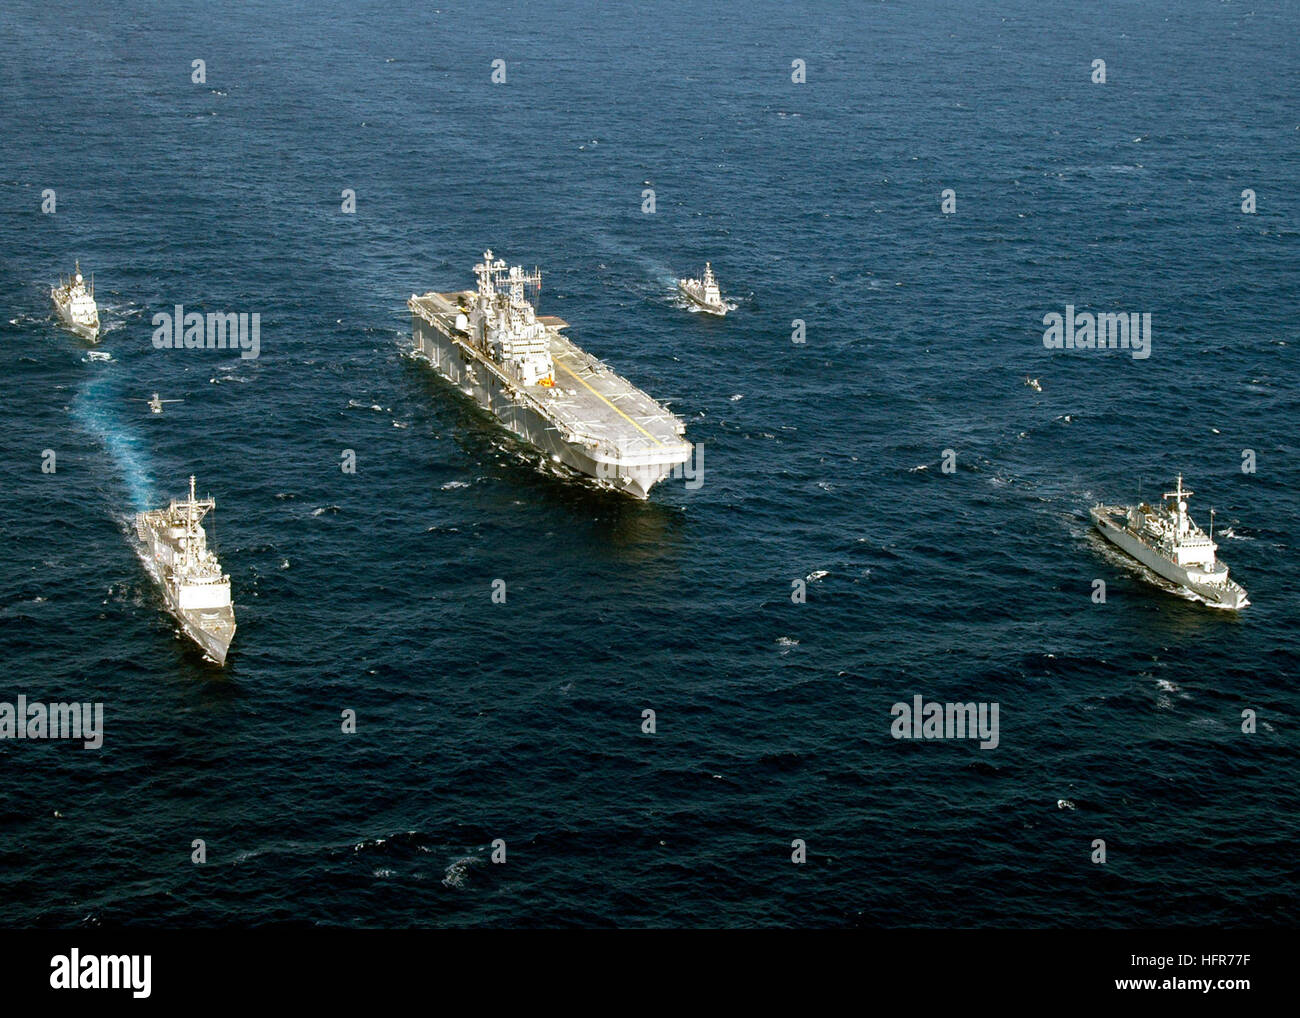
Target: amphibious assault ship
{"x": 493, "y": 346}
{"x": 195, "y": 589}
{"x": 704, "y": 293}
{"x": 1165, "y": 540}
{"x": 76, "y": 305}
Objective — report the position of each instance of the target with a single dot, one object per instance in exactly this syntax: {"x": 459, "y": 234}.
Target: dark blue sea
{"x": 823, "y": 462}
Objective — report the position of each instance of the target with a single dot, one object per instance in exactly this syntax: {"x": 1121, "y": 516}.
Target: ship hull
{"x": 714, "y": 309}
{"x": 1227, "y": 595}
{"x": 90, "y": 333}
{"x": 212, "y": 631}
{"x": 481, "y": 384}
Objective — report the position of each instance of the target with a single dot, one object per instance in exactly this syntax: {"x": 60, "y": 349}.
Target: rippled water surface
{"x": 522, "y": 721}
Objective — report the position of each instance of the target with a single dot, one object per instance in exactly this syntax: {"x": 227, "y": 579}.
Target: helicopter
{"x": 156, "y": 403}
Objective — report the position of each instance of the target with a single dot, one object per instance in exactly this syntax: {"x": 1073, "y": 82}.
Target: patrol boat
{"x": 76, "y": 305}
{"x": 704, "y": 293}
{"x": 1166, "y": 540}
{"x": 493, "y": 346}
{"x": 195, "y": 589}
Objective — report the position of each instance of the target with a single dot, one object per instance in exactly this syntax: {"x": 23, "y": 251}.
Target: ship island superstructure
{"x": 1167, "y": 541}
{"x": 76, "y": 305}
{"x": 704, "y": 292}
{"x": 493, "y": 346}
{"x": 195, "y": 589}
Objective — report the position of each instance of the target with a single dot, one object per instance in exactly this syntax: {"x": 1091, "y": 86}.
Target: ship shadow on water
{"x": 626, "y": 529}
{"x": 191, "y": 665}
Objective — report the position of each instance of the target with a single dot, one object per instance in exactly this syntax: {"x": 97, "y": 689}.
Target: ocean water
{"x": 522, "y": 721}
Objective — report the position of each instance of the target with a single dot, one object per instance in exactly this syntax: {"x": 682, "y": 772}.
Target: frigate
{"x": 704, "y": 292}
{"x": 196, "y": 591}
{"x": 493, "y": 346}
{"x": 76, "y": 305}
{"x": 1166, "y": 540}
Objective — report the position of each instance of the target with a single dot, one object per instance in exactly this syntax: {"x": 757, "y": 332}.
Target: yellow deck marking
{"x": 609, "y": 404}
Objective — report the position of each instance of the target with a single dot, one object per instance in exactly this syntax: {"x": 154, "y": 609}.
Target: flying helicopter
{"x": 156, "y": 403}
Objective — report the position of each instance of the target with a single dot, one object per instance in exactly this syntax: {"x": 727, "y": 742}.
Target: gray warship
{"x": 195, "y": 589}
{"x": 76, "y": 306}
{"x": 704, "y": 292}
{"x": 493, "y": 346}
{"x": 1166, "y": 540}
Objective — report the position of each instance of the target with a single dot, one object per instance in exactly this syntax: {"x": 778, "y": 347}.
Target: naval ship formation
{"x": 1166, "y": 540}
{"x": 493, "y": 346}
{"x": 76, "y": 305}
{"x": 196, "y": 591}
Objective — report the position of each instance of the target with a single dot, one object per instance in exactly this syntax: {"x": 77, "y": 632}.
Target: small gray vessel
{"x": 1166, "y": 540}
{"x": 704, "y": 292}
{"x": 75, "y": 303}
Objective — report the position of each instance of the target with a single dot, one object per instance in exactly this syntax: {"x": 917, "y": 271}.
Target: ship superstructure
{"x": 1165, "y": 539}
{"x": 493, "y": 346}
{"x": 195, "y": 589}
{"x": 76, "y": 306}
{"x": 704, "y": 292}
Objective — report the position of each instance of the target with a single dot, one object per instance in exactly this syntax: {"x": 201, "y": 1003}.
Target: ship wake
{"x": 124, "y": 446}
